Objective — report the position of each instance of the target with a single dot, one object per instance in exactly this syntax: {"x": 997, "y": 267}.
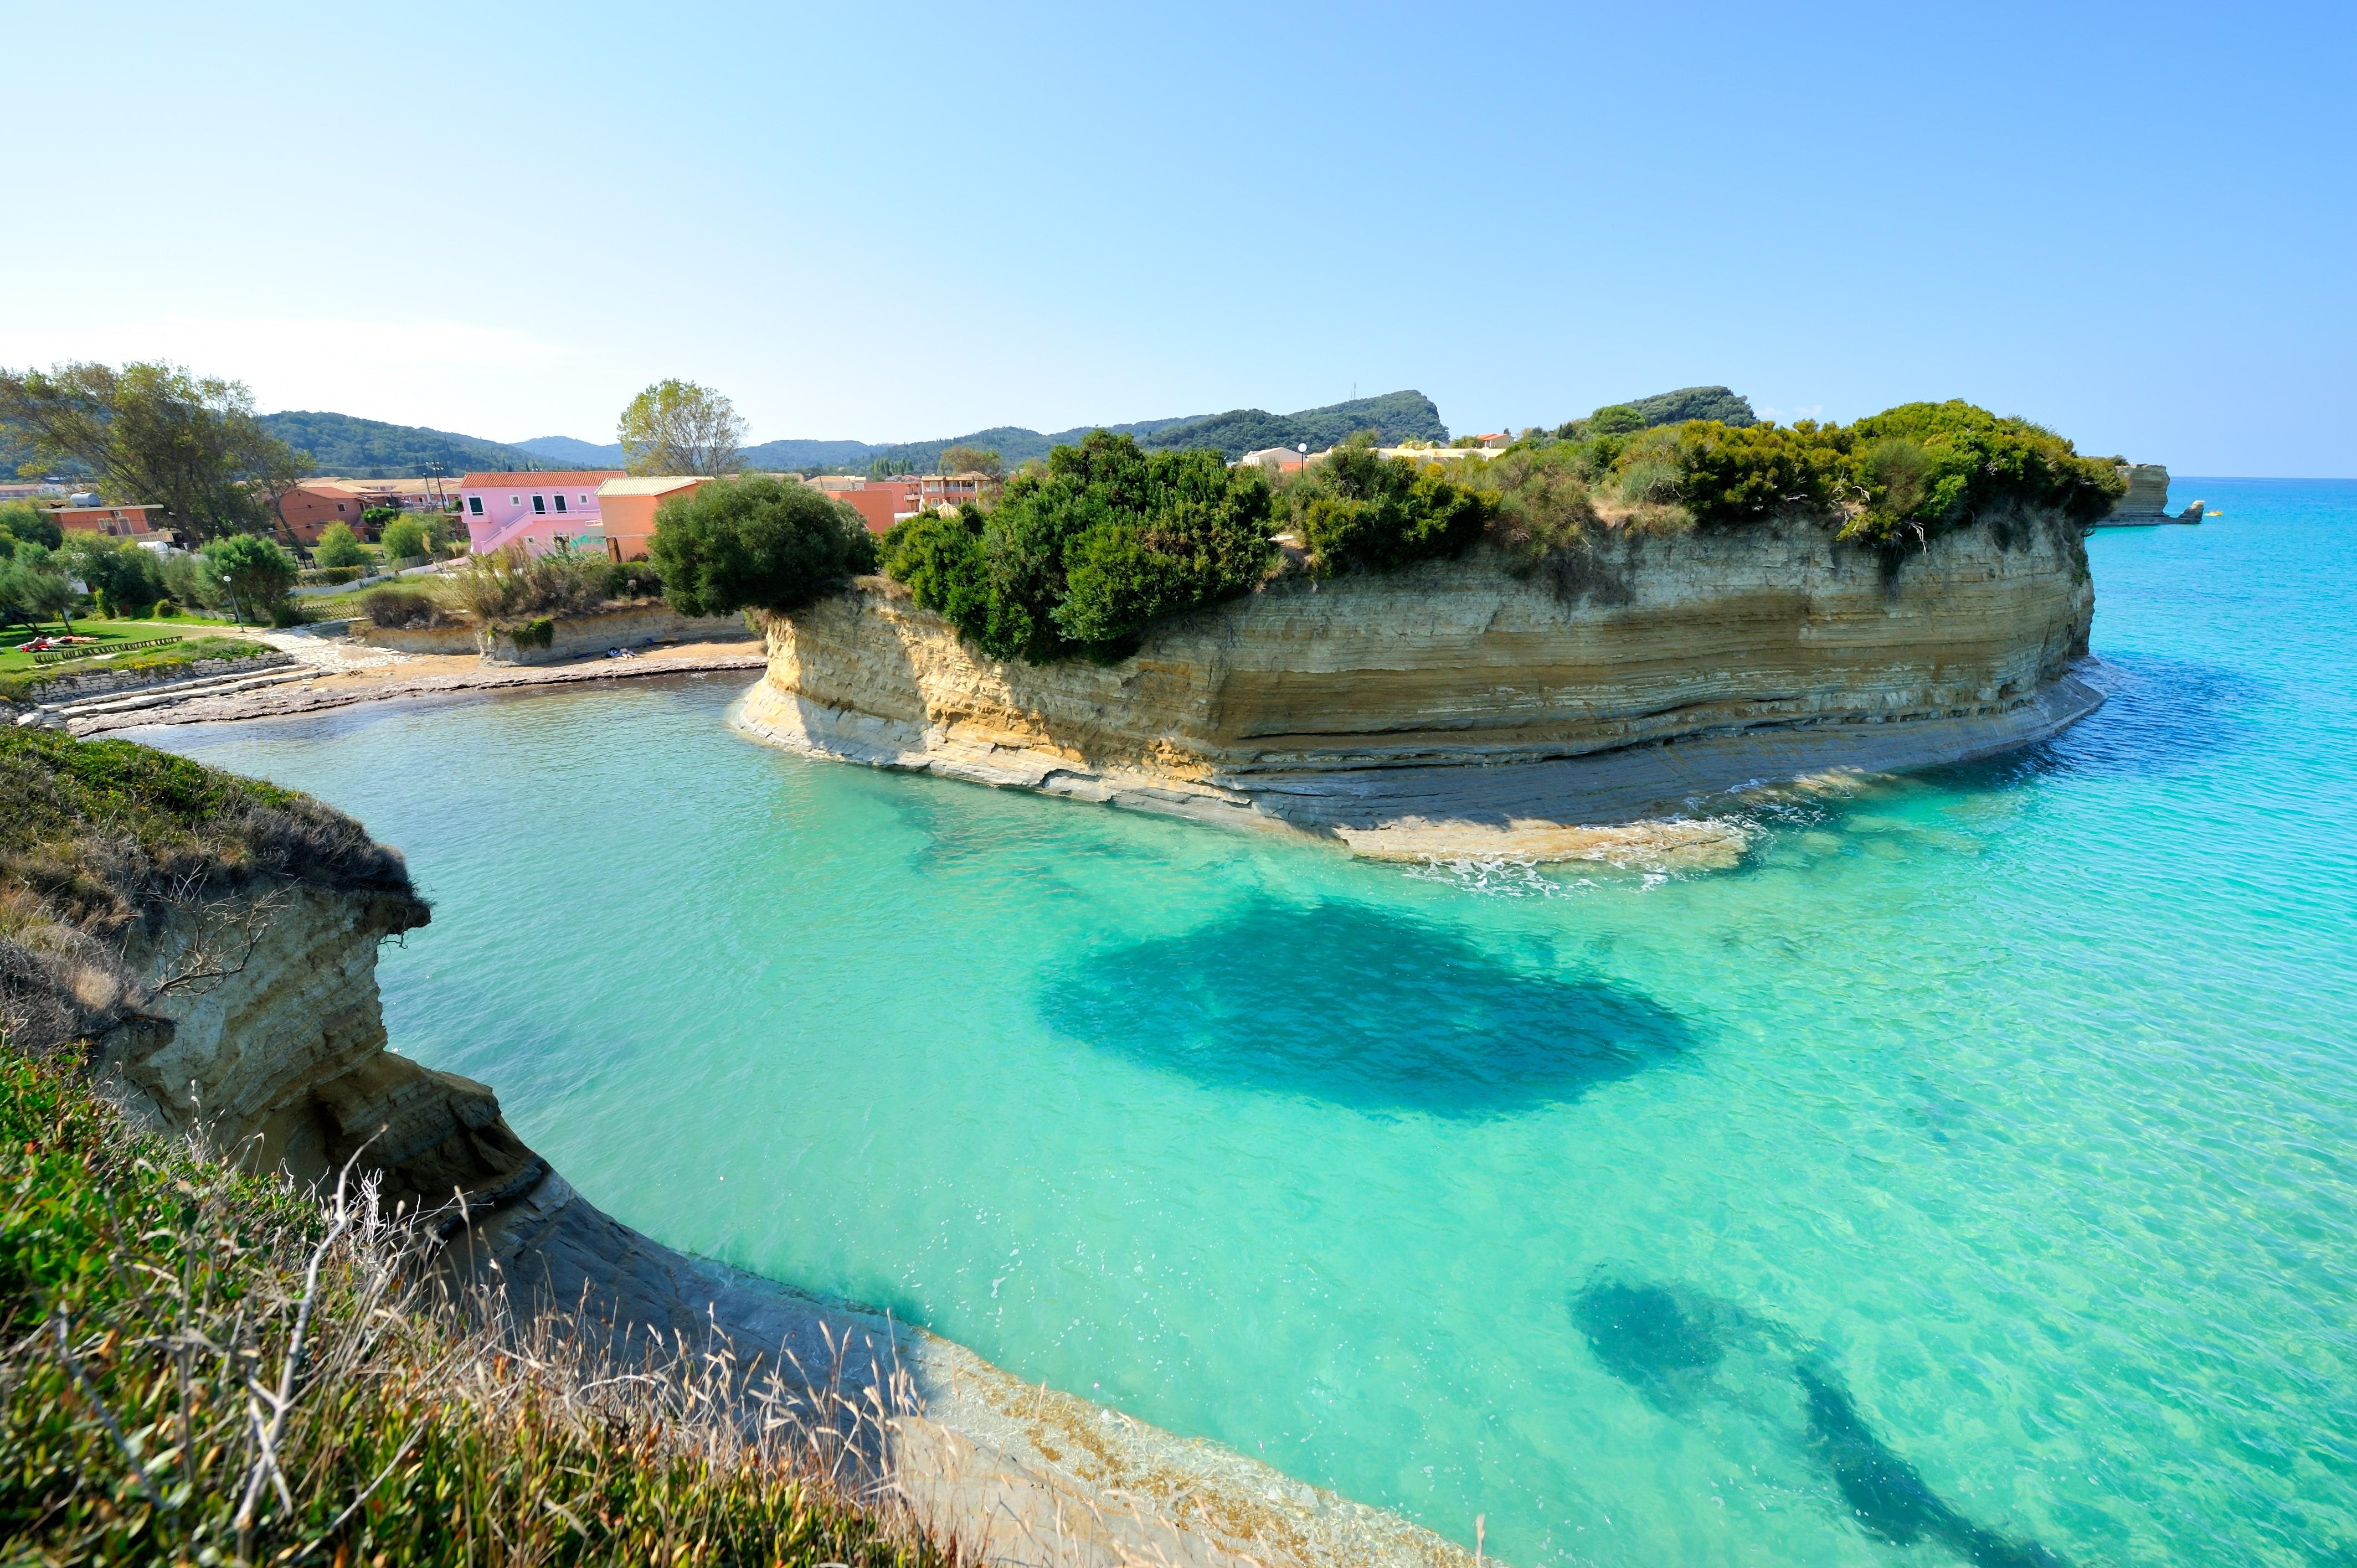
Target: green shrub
{"x": 1909, "y": 472}
{"x": 536, "y": 633}
{"x": 258, "y": 572}
{"x": 633, "y": 580}
{"x": 1361, "y": 510}
{"x": 512, "y": 582}
{"x": 400, "y": 607}
{"x": 755, "y": 542}
{"x": 30, "y": 523}
{"x": 165, "y": 610}
{"x": 337, "y": 546}
{"x": 1088, "y": 552}
{"x": 402, "y": 537}
{"x": 1545, "y": 498}
{"x": 286, "y": 612}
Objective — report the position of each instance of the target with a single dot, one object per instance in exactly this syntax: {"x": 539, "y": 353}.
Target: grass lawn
{"x": 108, "y": 632}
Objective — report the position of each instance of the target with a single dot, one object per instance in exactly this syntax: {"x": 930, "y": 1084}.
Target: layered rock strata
{"x": 1462, "y": 707}
{"x": 275, "y": 1047}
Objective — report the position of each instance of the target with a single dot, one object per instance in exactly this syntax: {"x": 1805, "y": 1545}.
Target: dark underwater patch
{"x": 1669, "y": 1343}
{"x": 1360, "y": 1006}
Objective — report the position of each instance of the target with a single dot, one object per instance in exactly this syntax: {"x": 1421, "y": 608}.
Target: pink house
{"x": 534, "y": 510}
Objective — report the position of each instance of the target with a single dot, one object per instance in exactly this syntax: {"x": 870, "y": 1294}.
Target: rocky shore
{"x": 1467, "y": 708}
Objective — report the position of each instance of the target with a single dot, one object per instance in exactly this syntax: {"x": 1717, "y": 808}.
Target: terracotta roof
{"x": 662, "y": 485}
{"x": 561, "y": 478}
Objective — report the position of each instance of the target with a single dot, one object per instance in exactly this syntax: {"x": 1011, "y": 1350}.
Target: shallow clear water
{"x": 1972, "y": 1168}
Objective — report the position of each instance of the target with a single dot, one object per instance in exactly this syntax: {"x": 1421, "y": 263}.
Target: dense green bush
{"x": 400, "y": 608}
{"x": 1358, "y": 510}
{"x": 115, "y": 568}
{"x": 1905, "y": 473}
{"x": 755, "y": 542}
{"x": 253, "y": 570}
{"x": 1083, "y": 556}
{"x": 633, "y": 580}
{"x": 339, "y": 547}
{"x": 27, "y": 522}
{"x": 402, "y": 537}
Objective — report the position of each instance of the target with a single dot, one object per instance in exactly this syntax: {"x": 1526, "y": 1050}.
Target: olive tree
{"x": 679, "y": 427}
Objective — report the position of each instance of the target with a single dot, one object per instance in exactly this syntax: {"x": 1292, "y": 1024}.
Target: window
{"x": 540, "y": 503}
{"x": 585, "y": 500}
{"x": 339, "y": 506}
{"x": 475, "y": 505}
{"x": 560, "y": 503}
{"x": 515, "y": 500}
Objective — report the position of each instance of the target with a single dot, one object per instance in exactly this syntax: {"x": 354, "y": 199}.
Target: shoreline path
{"x": 341, "y": 674}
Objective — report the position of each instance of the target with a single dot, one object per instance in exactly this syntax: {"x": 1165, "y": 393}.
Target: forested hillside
{"x": 354, "y": 449}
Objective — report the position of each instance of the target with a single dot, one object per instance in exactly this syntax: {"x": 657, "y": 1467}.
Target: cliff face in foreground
{"x": 1463, "y": 693}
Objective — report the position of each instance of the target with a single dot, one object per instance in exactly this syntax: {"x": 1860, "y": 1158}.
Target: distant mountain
{"x": 1394, "y": 417}
{"x": 577, "y": 453}
{"x": 354, "y": 449}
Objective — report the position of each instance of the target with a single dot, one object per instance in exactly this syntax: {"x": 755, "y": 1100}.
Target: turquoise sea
{"x": 1971, "y": 1176}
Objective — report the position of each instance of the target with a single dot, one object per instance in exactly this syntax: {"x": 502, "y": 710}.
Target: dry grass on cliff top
{"x": 101, "y": 832}
{"x": 201, "y": 1367}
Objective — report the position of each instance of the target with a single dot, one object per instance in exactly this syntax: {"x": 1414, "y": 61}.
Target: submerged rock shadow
{"x": 2159, "y": 716}
{"x": 1361, "y": 1007}
{"x": 1692, "y": 1356}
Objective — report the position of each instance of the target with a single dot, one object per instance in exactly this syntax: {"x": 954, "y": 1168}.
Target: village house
{"x": 311, "y": 506}
{"x": 628, "y": 507}
{"x": 880, "y": 503}
{"x": 407, "y": 495}
{"x": 84, "y": 514}
{"x": 534, "y": 510}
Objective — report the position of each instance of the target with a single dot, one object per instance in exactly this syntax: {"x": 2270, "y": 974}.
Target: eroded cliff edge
{"x": 246, "y": 1006}
{"x": 1463, "y": 706}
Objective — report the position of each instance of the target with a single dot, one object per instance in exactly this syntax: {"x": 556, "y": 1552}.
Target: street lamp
{"x": 233, "y": 608}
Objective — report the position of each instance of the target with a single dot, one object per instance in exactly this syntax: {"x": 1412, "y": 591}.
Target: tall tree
{"x": 965, "y": 459}
{"x": 679, "y": 427}
{"x": 156, "y": 434}
{"x": 256, "y": 573}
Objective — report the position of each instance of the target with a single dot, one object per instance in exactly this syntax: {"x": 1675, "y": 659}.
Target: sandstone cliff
{"x": 1463, "y": 705}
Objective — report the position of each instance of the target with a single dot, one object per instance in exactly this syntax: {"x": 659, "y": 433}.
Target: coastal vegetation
{"x": 1898, "y": 476}
{"x": 755, "y": 542}
{"x": 205, "y": 1365}
{"x": 1084, "y": 556}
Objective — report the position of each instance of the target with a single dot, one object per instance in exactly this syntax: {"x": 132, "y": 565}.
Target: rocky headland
{"x": 1600, "y": 705}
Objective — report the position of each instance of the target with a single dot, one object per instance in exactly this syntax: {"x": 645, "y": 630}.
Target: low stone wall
{"x": 630, "y": 626}
{"x": 418, "y": 640}
{"x": 638, "y": 627}
{"x": 97, "y": 683}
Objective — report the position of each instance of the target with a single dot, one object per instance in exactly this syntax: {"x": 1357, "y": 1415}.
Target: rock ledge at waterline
{"x": 1590, "y": 709}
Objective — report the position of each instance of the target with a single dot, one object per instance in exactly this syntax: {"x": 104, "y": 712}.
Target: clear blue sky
{"x": 2135, "y": 223}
